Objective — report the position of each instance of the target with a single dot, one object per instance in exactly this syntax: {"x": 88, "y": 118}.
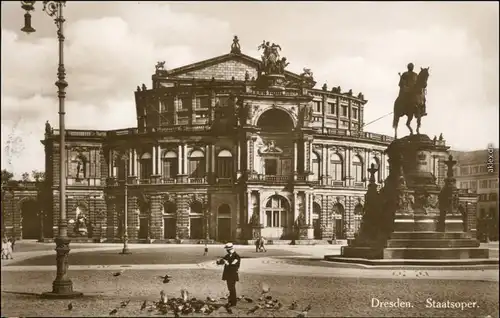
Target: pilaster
{"x": 156, "y": 217}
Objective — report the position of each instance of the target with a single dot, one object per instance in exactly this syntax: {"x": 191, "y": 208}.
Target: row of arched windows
{"x": 336, "y": 167}
{"x": 196, "y": 165}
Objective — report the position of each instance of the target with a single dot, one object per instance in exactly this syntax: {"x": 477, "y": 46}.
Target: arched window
{"x": 146, "y": 166}
{"x": 224, "y": 164}
{"x": 170, "y": 165}
{"x": 376, "y": 162}
{"x": 357, "y": 166}
{"x": 169, "y": 208}
{"x": 197, "y": 164}
{"x": 196, "y": 208}
{"x": 276, "y": 208}
{"x": 336, "y": 167}
{"x": 316, "y": 166}
{"x": 358, "y": 215}
{"x": 224, "y": 210}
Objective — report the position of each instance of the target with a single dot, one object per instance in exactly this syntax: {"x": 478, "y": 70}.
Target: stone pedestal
{"x": 274, "y": 82}
{"x": 425, "y": 223}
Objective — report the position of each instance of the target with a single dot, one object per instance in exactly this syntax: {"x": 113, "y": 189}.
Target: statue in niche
{"x": 81, "y": 223}
{"x": 48, "y": 129}
{"x": 81, "y": 170}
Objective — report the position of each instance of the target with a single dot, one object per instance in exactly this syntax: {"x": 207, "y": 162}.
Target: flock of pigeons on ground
{"x": 184, "y": 305}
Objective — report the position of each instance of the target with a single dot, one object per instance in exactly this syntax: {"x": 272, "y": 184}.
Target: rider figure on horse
{"x": 407, "y": 82}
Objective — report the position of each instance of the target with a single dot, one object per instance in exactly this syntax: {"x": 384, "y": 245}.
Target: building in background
{"x": 228, "y": 148}
{"x": 477, "y": 172}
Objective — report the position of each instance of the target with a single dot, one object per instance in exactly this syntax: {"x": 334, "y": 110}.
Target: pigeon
{"x": 248, "y": 299}
{"x": 279, "y": 306}
{"x": 269, "y": 297}
{"x": 265, "y": 288}
{"x": 118, "y": 273}
{"x": 163, "y": 297}
{"x": 210, "y": 299}
{"x": 293, "y": 305}
{"x": 302, "y": 314}
{"x": 70, "y": 306}
{"x": 144, "y": 304}
{"x": 184, "y": 294}
{"x": 254, "y": 309}
{"x": 112, "y": 312}
{"x": 166, "y": 278}
{"x": 307, "y": 308}
{"x": 124, "y": 303}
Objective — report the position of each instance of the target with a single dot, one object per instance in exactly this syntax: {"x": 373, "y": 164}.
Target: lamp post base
{"x": 125, "y": 251}
{"x": 62, "y": 287}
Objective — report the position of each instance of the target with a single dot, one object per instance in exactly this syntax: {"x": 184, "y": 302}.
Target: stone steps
{"x": 435, "y": 253}
{"x": 430, "y": 235}
{"x": 432, "y": 243}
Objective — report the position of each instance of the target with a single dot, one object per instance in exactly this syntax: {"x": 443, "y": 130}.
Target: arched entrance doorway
{"x": 316, "y": 221}
{"x": 358, "y": 217}
{"x": 31, "y": 221}
{"x": 169, "y": 220}
{"x": 339, "y": 215}
{"x": 224, "y": 223}
{"x": 278, "y": 221}
{"x": 196, "y": 220}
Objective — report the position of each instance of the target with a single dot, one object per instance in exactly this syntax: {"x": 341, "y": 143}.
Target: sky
{"x": 111, "y": 47}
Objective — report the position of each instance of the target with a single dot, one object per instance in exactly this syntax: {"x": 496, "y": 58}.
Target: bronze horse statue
{"x": 412, "y": 103}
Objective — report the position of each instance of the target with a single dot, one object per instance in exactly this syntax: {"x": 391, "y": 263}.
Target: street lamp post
{"x": 62, "y": 287}
{"x": 125, "y": 249}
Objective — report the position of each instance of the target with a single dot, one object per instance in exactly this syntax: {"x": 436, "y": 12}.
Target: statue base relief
{"x": 273, "y": 82}
{"x": 408, "y": 225}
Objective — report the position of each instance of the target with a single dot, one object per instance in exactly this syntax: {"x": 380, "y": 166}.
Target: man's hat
{"x": 410, "y": 65}
{"x": 228, "y": 246}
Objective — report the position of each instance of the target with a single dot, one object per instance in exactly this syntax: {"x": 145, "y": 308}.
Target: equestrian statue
{"x": 411, "y": 98}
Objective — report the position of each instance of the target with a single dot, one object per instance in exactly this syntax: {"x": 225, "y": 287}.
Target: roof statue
{"x": 411, "y": 99}
{"x": 272, "y": 63}
{"x": 235, "y": 47}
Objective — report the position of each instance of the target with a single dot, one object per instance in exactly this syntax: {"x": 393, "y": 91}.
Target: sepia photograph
{"x": 249, "y": 159}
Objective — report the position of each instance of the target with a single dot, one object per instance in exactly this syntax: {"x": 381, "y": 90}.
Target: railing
{"x": 359, "y": 184}
{"x": 197, "y": 180}
{"x": 271, "y": 178}
{"x": 167, "y": 180}
{"x": 81, "y": 133}
{"x": 224, "y": 180}
{"x": 336, "y": 183}
{"x": 354, "y": 134}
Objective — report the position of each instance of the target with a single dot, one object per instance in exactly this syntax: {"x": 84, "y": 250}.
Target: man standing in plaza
{"x": 231, "y": 262}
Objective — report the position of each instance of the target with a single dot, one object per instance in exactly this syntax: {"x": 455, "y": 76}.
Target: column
{"x": 158, "y": 161}
{"x": 137, "y": 168}
{"x": 366, "y": 165}
{"x": 306, "y": 206}
{"x": 184, "y": 159}
{"x": 238, "y": 163}
{"x": 327, "y": 159}
{"x": 306, "y": 155}
{"x": 110, "y": 172}
{"x": 309, "y": 153}
{"x": 179, "y": 159}
{"x": 249, "y": 205}
{"x": 294, "y": 207}
{"x": 323, "y": 164}
{"x": 208, "y": 158}
{"x": 212, "y": 156}
{"x": 348, "y": 165}
{"x": 130, "y": 162}
{"x": 295, "y": 155}
{"x": 153, "y": 155}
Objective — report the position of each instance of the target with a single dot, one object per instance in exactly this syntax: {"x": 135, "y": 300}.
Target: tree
{"x": 38, "y": 176}
{"x": 25, "y": 177}
{"x": 6, "y": 177}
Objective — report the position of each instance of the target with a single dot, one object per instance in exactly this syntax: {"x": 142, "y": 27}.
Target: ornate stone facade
{"x": 213, "y": 146}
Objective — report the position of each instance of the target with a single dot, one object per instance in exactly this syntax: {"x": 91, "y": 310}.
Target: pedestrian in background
{"x": 7, "y": 249}
{"x": 205, "y": 253}
{"x": 257, "y": 245}
{"x": 231, "y": 262}
{"x": 262, "y": 246}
